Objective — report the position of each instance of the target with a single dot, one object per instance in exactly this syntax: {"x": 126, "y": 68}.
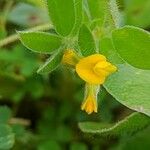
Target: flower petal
{"x": 85, "y": 66}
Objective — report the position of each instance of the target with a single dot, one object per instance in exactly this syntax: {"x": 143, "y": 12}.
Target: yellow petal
{"x": 85, "y": 66}
{"x": 104, "y": 68}
{"x": 90, "y": 105}
{"x": 111, "y": 68}
{"x": 94, "y": 69}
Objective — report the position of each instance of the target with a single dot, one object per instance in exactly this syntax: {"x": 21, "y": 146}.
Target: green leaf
{"x": 130, "y": 86}
{"x": 62, "y": 14}
{"x": 6, "y": 137}
{"x": 40, "y": 42}
{"x": 139, "y": 141}
{"x": 133, "y": 45}
{"x": 86, "y": 41}
{"x": 107, "y": 49}
{"x": 78, "y": 15}
{"x": 131, "y": 124}
{"x": 97, "y": 10}
{"x": 51, "y": 64}
{"x": 5, "y": 114}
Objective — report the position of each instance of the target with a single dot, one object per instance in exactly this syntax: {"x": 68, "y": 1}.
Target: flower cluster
{"x": 93, "y": 70}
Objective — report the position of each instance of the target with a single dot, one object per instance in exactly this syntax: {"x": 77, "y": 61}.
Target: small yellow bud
{"x": 70, "y": 57}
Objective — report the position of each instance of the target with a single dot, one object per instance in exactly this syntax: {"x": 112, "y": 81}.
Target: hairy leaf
{"x": 129, "y": 125}
{"x": 97, "y": 10}
{"x": 107, "y": 49}
{"x": 86, "y": 41}
{"x": 40, "y": 42}
{"x": 51, "y": 64}
{"x": 133, "y": 45}
{"x": 62, "y": 14}
{"x": 130, "y": 86}
{"x": 78, "y": 15}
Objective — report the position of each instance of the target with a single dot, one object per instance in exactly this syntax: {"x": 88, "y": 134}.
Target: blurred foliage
{"x": 41, "y": 112}
{"x": 27, "y": 15}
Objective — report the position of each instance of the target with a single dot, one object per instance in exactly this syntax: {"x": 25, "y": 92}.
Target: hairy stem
{"x": 115, "y": 13}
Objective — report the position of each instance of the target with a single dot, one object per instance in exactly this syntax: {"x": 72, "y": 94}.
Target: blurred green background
{"x": 44, "y": 110}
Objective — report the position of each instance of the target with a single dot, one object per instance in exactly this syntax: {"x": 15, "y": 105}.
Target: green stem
{"x": 115, "y": 13}
{"x": 15, "y": 37}
{"x": 92, "y": 89}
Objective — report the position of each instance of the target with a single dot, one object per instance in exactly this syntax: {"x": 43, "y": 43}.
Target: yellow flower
{"x": 70, "y": 57}
{"x": 90, "y": 102}
{"x": 94, "y": 69}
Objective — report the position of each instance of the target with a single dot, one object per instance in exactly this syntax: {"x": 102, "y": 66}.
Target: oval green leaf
{"x": 107, "y": 49}
{"x": 78, "y": 4}
{"x": 40, "y": 42}
{"x": 131, "y": 124}
{"x": 131, "y": 87}
{"x": 51, "y": 64}
{"x": 133, "y": 45}
{"x": 62, "y": 14}
{"x": 86, "y": 41}
{"x": 97, "y": 10}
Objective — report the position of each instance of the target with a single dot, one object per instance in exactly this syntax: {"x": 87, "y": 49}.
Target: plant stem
{"x": 15, "y": 37}
{"x": 115, "y": 14}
